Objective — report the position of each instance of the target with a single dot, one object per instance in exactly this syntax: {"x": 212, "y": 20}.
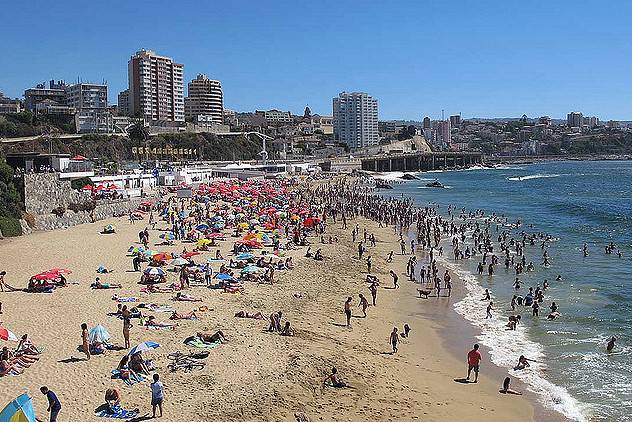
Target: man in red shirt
{"x": 473, "y": 360}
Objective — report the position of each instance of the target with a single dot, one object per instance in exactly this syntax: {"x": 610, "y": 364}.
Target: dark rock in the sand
{"x": 409, "y": 176}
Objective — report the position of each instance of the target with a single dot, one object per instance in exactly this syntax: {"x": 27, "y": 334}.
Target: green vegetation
{"x": 10, "y": 227}
{"x": 27, "y": 124}
{"x": 10, "y": 204}
{"x": 112, "y": 149}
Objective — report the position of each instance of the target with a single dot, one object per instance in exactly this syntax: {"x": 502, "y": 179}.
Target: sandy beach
{"x": 257, "y": 375}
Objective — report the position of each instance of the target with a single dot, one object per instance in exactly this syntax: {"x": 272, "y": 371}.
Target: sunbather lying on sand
{"x": 189, "y": 315}
{"x": 207, "y": 337}
{"x": 244, "y": 314}
{"x": 151, "y": 322}
{"x": 183, "y": 297}
{"x": 7, "y": 368}
{"x": 98, "y": 285}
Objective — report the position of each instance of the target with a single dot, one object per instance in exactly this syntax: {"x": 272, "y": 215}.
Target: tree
{"x": 139, "y": 135}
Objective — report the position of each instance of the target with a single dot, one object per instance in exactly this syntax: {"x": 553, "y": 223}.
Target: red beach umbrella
{"x": 7, "y": 335}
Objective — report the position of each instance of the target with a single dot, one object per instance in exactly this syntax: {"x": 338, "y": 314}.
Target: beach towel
{"x": 158, "y": 328}
{"x": 161, "y": 308}
{"x": 116, "y": 412}
{"x": 116, "y": 374}
{"x": 198, "y": 343}
{"x": 125, "y": 299}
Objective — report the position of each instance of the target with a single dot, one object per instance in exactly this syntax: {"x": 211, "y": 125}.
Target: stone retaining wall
{"x": 44, "y": 192}
{"x": 102, "y": 211}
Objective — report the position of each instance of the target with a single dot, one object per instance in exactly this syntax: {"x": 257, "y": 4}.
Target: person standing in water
{"x": 611, "y": 344}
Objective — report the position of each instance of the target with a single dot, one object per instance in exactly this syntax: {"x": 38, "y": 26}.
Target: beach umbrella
{"x": 7, "y": 335}
{"x": 19, "y": 410}
{"x": 45, "y": 276}
{"x": 143, "y": 347}
{"x": 203, "y": 242}
{"x": 223, "y": 276}
{"x": 99, "y": 335}
{"x": 161, "y": 256}
{"x": 245, "y": 255}
{"x": 109, "y": 228}
{"x": 168, "y": 236}
{"x": 250, "y": 269}
{"x": 59, "y": 271}
{"x": 136, "y": 249}
{"x": 179, "y": 261}
{"x": 154, "y": 271}
{"x": 202, "y": 227}
{"x": 148, "y": 252}
{"x": 216, "y": 235}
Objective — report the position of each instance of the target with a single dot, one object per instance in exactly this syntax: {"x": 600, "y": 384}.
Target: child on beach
{"x": 394, "y": 339}
{"x": 157, "y": 395}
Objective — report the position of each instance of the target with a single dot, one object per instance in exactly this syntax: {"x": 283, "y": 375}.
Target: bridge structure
{"x": 424, "y": 161}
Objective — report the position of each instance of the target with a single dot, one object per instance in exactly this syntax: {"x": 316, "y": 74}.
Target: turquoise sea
{"x": 576, "y": 202}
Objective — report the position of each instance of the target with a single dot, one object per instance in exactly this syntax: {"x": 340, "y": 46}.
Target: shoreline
{"x": 257, "y": 375}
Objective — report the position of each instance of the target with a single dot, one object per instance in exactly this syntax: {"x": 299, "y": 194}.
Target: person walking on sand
{"x": 157, "y": 395}
{"x": 54, "y": 406}
{"x": 394, "y": 339}
{"x": 127, "y": 324}
{"x": 373, "y": 289}
{"x": 85, "y": 346}
{"x": 395, "y": 279}
{"x": 369, "y": 264}
{"x": 348, "y": 310}
{"x": 363, "y": 304}
{"x": 473, "y": 361}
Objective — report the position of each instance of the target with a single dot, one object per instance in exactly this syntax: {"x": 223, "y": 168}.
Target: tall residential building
{"x": 55, "y": 92}
{"x": 87, "y": 97}
{"x": 455, "y": 121}
{"x": 355, "y": 119}
{"x": 122, "y": 106}
{"x": 444, "y": 132}
{"x": 426, "y": 123}
{"x": 205, "y": 98}
{"x": 574, "y": 119}
{"x": 156, "y": 87}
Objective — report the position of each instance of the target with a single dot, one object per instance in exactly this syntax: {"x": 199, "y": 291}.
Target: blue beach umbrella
{"x": 223, "y": 276}
{"x": 99, "y": 334}
{"x": 202, "y": 227}
{"x": 143, "y": 347}
{"x": 245, "y": 255}
{"x": 155, "y": 271}
{"x": 19, "y": 410}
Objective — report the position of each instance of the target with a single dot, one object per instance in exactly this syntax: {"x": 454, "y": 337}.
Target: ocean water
{"x": 575, "y": 202}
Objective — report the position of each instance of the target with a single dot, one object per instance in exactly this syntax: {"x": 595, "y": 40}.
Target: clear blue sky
{"x": 485, "y": 58}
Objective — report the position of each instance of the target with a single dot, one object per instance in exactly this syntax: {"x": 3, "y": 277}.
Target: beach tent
{"x": 99, "y": 334}
{"x": 19, "y": 410}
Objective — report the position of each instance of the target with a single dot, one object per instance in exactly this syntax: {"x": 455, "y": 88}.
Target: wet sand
{"x": 257, "y": 375}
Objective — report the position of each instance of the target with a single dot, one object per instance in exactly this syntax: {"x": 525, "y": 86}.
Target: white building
{"x": 355, "y": 119}
{"x": 205, "y": 98}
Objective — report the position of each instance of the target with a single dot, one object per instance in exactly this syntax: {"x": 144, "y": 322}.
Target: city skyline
{"x": 415, "y": 58}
